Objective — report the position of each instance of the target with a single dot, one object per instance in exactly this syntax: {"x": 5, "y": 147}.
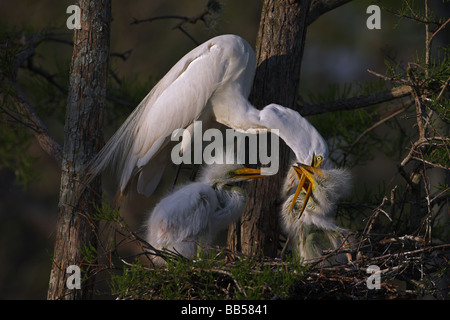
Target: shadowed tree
{"x": 82, "y": 140}
{"x": 279, "y": 51}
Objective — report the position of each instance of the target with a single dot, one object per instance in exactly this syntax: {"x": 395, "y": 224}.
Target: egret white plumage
{"x": 211, "y": 83}
{"x": 197, "y": 211}
{"x": 307, "y": 214}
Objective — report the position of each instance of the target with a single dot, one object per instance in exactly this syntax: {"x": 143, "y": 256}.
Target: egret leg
{"x": 177, "y": 173}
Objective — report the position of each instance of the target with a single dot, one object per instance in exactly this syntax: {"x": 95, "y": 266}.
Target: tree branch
{"x": 138, "y": 21}
{"x": 211, "y": 8}
{"x": 320, "y": 7}
{"x": 355, "y": 102}
{"x": 40, "y": 131}
{"x": 27, "y": 112}
{"x": 391, "y": 114}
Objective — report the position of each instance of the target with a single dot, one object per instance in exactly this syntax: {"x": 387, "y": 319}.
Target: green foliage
{"x": 130, "y": 283}
{"x": 414, "y": 10}
{"x": 89, "y": 253}
{"x": 106, "y": 213}
{"x": 209, "y": 277}
{"x": 9, "y": 50}
{"x": 14, "y": 141}
{"x": 14, "y": 145}
{"x": 442, "y": 108}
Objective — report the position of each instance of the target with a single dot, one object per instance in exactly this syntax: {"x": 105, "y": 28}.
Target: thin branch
{"x": 374, "y": 216}
{"x": 49, "y": 77}
{"x": 414, "y": 16}
{"x": 391, "y": 115}
{"x": 444, "y": 86}
{"x": 430, "y": 163}
{"x": 138, "y": 21}
{"x": 438, "y": 30}
{"x": 18, "y": 119}
{"x": 427, "y": 42}
{"x": 55, "y": 38}
{"x": 122, "y": 55}
{"x": 419, "y": 110}
{"x": 402, "y": 81}
{"x": 412, "y": 252}
{"x": 419, "y": 143}
{"x": 184, "y": 19}
{"x": 188, "y": 35}
{"x": 356, "y": 102}
{"x": 440, "y": 194}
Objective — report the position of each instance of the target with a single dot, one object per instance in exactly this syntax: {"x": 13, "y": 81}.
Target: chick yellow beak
{"x": 246, "y": 173}
{"x": 306, "y": 182}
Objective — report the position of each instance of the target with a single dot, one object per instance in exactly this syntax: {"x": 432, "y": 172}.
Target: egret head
{"x": 296, "y": 131}
{"x": 315, "y": 151}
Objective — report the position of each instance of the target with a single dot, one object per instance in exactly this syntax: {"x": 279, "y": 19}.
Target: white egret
{"x": 210, "y": 84}
{"x": 197, "y": 211}
{"x": 307, "y": 213}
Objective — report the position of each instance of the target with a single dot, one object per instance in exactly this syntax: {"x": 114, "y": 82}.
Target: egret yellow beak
{"x": 247, "y": 173}
{"x": 306, "y": 182}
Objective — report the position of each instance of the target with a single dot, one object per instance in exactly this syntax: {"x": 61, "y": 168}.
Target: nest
{"x": 407, "y": 268}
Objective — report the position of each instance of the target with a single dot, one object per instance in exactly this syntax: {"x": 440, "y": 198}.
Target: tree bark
{"x": 83, "y": 138}
{"x": 279, "y": 50}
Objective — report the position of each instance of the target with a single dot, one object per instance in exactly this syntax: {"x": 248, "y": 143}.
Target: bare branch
{"x": 49, "y": 77}
{"x": 438, "y": 30}
{"x": 374, "y": 216}
{"x": 211, "y": 7}
{"x": 419, "y": 143}
{"x": 356, "y": 102}
{"x": 138, "y": 21}
{"x": 122, "y": 55}
{"x": 430, "y": 163}
{"x": 391, "y": 114}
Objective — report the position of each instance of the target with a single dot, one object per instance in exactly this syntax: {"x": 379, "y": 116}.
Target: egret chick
{"x": 197, "y": 211}
{"x": 307, "y": 213}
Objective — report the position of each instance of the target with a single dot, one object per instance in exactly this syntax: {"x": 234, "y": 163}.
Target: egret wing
{"x": 175, "y": 102}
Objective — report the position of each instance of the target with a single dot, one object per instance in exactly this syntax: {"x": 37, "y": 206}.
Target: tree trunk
{"x": 83, "y": 139}
{"x": 279, "y": 51}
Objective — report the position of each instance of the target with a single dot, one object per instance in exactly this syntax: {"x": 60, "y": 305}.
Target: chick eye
{"x": 318, "y": 160}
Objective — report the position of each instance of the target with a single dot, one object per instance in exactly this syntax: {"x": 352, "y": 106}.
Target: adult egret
{"x": 197, "y": 211}
{"x": 210, "y": 84}
{"x": 307, "y": 213}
